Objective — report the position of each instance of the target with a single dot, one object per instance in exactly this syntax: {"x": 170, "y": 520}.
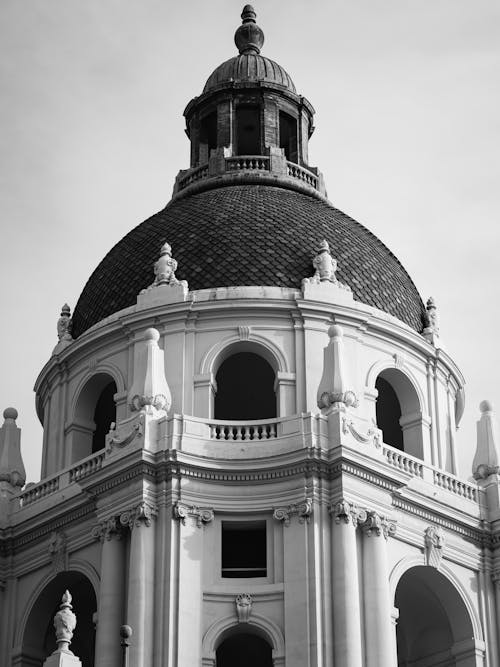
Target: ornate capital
{"x": 347, "y": 512}
{"x": 376, "y": 524}
{"x": 107, "y": 529}
{"x": 434, "y": 539}
{"x": 303, "y": 510}
{"x": 200, "y": 515}
{"x": 243, "y": 604}
{"x": 141, "y": 515}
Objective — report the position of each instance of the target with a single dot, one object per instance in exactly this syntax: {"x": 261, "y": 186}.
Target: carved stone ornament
{"x": 434, "y": 539}
{"x": 372, "y": 437}
{"x": 58, "y": 552}
{"x": 164, "y": 270}
{"x": 347, "y": 512}
{"x": 141, "y": 515}
{"x": 64, "y": 325}
{"x": 431, "y": 323}
{"x": 200, "y": 515}
{"x": 243, "y": 607}
{"x": 302, "y": 510}
{"x": 325, "y": 266}
{"x": 64, "y": 624}
{"x": 107, "y": 529}
{"x": 118, "y": 440}
{"x": 376, "y": 524}
{"x": 150, "y": 391}
{"x": 329, "y": 398}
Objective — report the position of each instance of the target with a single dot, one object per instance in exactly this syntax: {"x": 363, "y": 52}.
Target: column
{"x": 190, "y": 592}
{"x": 140, "y": 603}
{"x": 345, "y": 579}
{"x": 111, "y": 594}
{"x": 379, "y": 629}
{"x": 295, "y": 520}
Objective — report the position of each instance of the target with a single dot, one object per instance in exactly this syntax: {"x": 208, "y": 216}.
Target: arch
{"x": 399, "y": 407}
{"x": 228, "y": 625}
{"x": 410, "y": 562}
{"x": 36, "y": 636}
{"x": 437, "y": 622}
{"x": 107, "y": 369}
{"x": 215, "y": 355}
{"x": 245, "y": 649}
{"x": 93, "y": 411}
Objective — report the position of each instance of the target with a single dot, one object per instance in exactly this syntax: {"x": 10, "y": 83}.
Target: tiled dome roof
{"x": 249, "y": 67}
{"x": 249, "y": 235}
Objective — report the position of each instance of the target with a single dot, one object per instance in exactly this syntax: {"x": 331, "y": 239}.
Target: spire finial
{"x": 249, "y": 38}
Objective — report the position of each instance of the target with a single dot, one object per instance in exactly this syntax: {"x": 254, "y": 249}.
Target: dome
{"x": 249, "y": 67}
{"x": 249, "y": 234}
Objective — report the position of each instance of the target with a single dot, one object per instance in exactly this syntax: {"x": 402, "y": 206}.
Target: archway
{"x": 434, "y": 626}
{"x": 245, "y": 388}
{"x": 94, "y": 411}
{"x": 39, "y": 640}
{"x": 399, "y": 413}
{"x": 244, "y": 650}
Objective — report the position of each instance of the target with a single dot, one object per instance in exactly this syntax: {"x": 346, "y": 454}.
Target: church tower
{"x": 249, "y": 422}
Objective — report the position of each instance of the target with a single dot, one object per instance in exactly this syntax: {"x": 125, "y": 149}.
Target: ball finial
{"x": 485, "y": 406}
{"x": 10, "y": 413}
{"x": 335, "y": 331}
{"x": 249, "y": 38}
{"x": 152, "y": 334}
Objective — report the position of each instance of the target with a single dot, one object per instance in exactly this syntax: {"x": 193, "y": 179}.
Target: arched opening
{"x": 288, "y": 136}
{"x": 208, "y": 136}
{"x": 248, "y": 130}
{"x": 398, "y": 412}
{"x": 388, "y": 412}
{"x": 39, "y": 639}
{"x": 244, "y": 650}
{"x": 94, "y": 411}
{"x": 245, "y": 388}
{"x": 434, "y": 626}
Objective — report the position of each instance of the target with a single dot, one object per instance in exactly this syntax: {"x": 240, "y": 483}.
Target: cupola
{"x": 249, "y": 118}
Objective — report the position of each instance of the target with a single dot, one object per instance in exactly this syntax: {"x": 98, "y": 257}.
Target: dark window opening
{"x": 288, "y": 136}
{"x": 105, "y": 413}
{"x": 388, "y": 411}
{"x": 244, "y": 549}
{"x": 208, "y": 131}
{"x": 245, "y": 389}
{"x": 244, "y": 650}
{"x": 248, "y": 129}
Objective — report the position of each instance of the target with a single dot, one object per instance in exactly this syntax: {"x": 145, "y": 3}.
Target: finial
{"x": 64, "y": 624}
{"x": 249, "y": 38}
{"x": 12, "y": 469}
{"x": 64, "y": 323}
{"x": 165, "y": 267}
{"x": 486, "y": 461}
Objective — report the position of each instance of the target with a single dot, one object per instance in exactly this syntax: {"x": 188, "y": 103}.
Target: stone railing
{"x": 302, "y": 174}
{"x": 238, "y": 430}
{"x": 192, "y": 176}
{"x": 417, "y": 468}
{"x": 38, "y": 491}
{"x": 248, "y": 163}
{"x": 86, "y": 467}
{"x": 219, "y": 166}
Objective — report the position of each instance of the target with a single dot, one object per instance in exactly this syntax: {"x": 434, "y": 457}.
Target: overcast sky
{"x": 407, "y": 135}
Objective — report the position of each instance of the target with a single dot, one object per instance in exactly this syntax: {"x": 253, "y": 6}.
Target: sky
{"x": 407, "y": 101}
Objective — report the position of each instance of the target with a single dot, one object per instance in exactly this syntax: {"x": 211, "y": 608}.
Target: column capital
{"x": 140, "y": 515}
{"x": 344, "y": 511}
{"x": 302, "y": 510}
{"x": 200, "y": 515}
{"x": 377, "y": 524}
{"x": 108, "y": 529}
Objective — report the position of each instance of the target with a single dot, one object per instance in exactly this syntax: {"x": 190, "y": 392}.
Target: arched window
{"x": 248, "y": 130}
{"x": 288, "y": 136}
{"x": 245, "y": 388}
{"x": 434, "y": 625}
{"x": 95, "y": 409}
{"x": 398, "y": 412}
{"x": 39, "y": 640}
{"x": 244, "y": 650}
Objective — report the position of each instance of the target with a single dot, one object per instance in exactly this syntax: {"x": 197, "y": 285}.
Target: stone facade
{"x": 330, "y": 535}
